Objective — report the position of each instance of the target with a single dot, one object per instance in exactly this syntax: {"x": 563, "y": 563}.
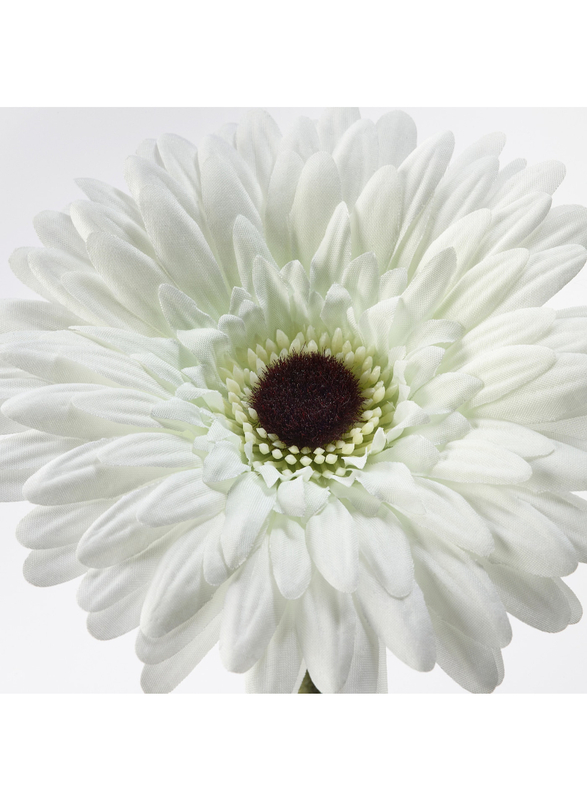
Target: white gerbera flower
{"x": 296, "y": 394}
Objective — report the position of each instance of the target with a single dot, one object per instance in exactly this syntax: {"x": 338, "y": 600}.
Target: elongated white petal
{"x": 292, "y": 567}
{"x": 364, "y": 674}
{"x": 117, "y": 534}
{"x": 376, "y": 216}
{"x": 460, "y": 593}
{"x": 402, "y": 623}
{"x": 471, "y": 664}
{"x": 180, "y": 497}
{"x": 178, "y": 589}
{"x": 252, "y": 611}
{"x": 385, "y": 547}
{"x": 183, "y": 250}
{"x": 248, "y": 504}
{"x": 449, "y": 516}
{"x": 317, "y": 195}
{"x": 47, "y": 527}
{"x": 277, "y": 670}
{"x": 505, "y": 369}
{"x": 535, "y": 600}
{"x": 392, "y": 483}
{"x": 165, "y": 676}
{"x": 333, "y": 545}
{"x": 334, "y": 252}
{"x": 478, "y": 461}
{"x": 79, "y": 475}
{"x": 52, "y": 566}
{"x": 356, "y": 156}
{"x": 325, "y": 624}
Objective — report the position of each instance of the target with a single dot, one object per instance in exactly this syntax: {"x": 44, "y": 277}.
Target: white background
{"x": 46, "y": 647}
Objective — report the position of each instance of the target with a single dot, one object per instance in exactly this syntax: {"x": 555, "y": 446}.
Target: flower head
{"x": 297, "y": 394}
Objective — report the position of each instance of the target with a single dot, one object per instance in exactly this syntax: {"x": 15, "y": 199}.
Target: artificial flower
{"x": 297, "y": 394}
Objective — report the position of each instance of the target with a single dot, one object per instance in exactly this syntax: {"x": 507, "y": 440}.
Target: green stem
{"x": 307, "y": 686}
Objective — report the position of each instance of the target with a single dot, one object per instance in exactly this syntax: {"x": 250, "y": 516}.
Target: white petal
{"x": 511, "y": 224}
{"x": 449, "y": 516}
{"x": 567, "y": 512}
{"x": 421, "y": 171}
{"x": 30, "y": 450}
{"x": 107, "y": 253}
{"x": 24, "y": 315}
{"x": 252, "y": 611}
{"x": 277, "y": 670}
{"x": 118, "y": 619}
{"x": 447, "y": 392}
{"x": 332, "y": 125}
{"x": 123, "y": 406}
{"x": 471, "y": 664}
{"x": 150, "y": 450}
{"x": 49, "y": 408}
{"x": 363, "y": 675}
{"x": 554, "y": 395}
{"x": 178, "y": 589}
{"x": 402, "y": 623}
{"x": 79, "y": 475}
{"x": 462, "y": 191}
{"x": 182, "y": 249}
{"x": 248, "y": 504}
{"x": 393, "y": 483}
{"x": 525, "y": 326}
{"x": 565, "y": 469}
{"x": 524, "y": 538}
{"x": 56, "y": 527}
{"x": 416, "y": 452}
{"x": 223, "y": 462}
{"x": 376, "y": 216}
{"x": 180, "y": 497}
{"x": 317, "y": 195}
{"x": 248, "y": 244}
{"x": 356, "y": 156}
{"x": 535, "y": 600}
{"x": 292, "y": 498}
{"x": 333, "y": 545}
{"x": 257, "y": 141}
{"x": 545, "y": 176}
{"x": 156, "y": 651}
{"x": 516, "y": 438}
{"x": 280, "y": 197}
{"x": 396, "y": 132}
{"x": 334, "y": 252}
{"x": 292, "y": 568}
{"x": 361, "y": 280}
{"x": 97, "y": 303}
{"x": 325, "y": 623}
{"x": 56, "y": 230}
{"x": 428, "y": 287}
{"x": 166, "y": 675}
{"x": 116, "y": 534}
{"x": 271, "y": 291}
{"x": 385, "y": 547}
{"x": 563, "y": 224}
{"x": 224, "y": 199}
{"x": 102, "y": 588}
{"x": 459, "y": 591}
{"x": 52, "y": 566}
{"x": 483, "y": 288}
{"x": 545, "y": 274}
{"x": 505, "y": 369}
{"x": 478, "y": 461}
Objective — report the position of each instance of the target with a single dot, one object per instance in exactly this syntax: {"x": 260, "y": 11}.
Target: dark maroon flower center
{"x": 307, "y": 399}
